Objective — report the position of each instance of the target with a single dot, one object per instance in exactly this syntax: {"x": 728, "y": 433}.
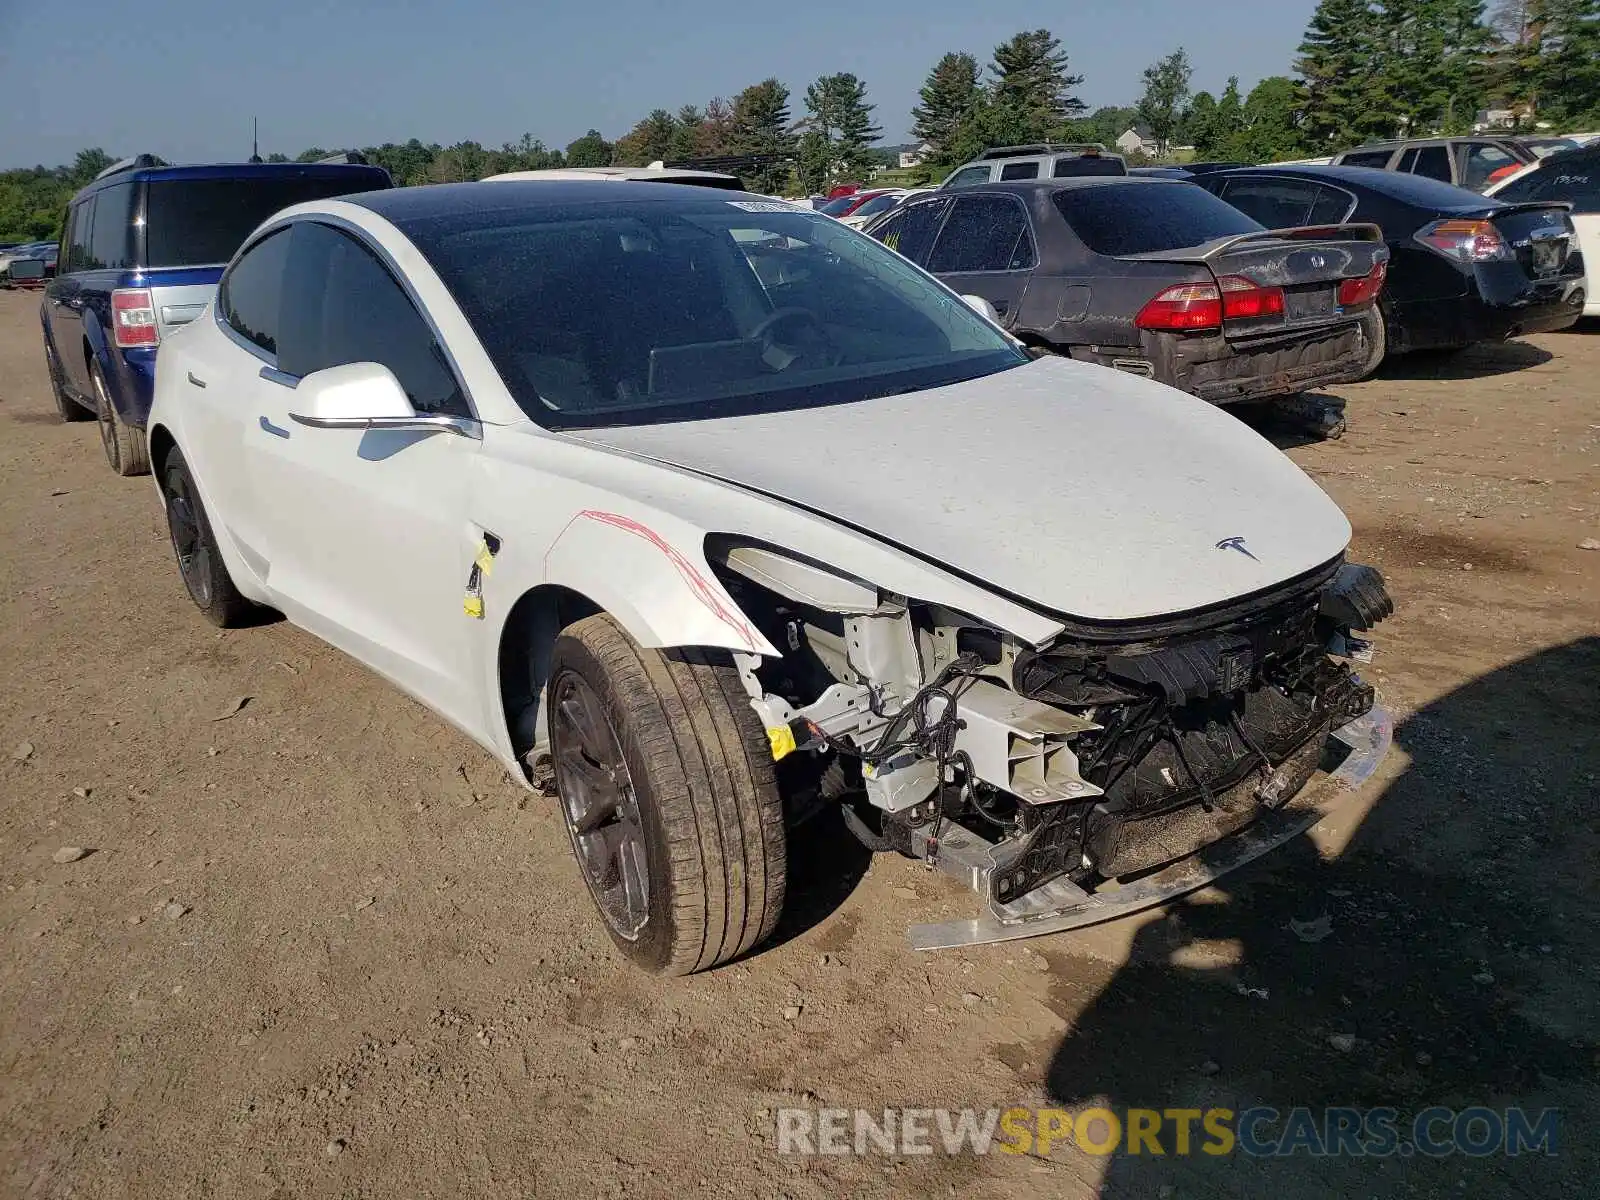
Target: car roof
{"x": 447, "y": 199}
{"x": 1027, "y": 187}
{"x": 244, "y": 170}
{"x": 617, "y": 174}
{"x": 1399, "y": 186}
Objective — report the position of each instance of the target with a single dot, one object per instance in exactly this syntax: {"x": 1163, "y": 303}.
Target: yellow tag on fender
{"x": 472, "y": 606}
{"x": 782, "y": 739}
{"x": 484, "y": 561}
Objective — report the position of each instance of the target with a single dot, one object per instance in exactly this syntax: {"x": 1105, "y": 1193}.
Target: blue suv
{"x": 141, "y": 253}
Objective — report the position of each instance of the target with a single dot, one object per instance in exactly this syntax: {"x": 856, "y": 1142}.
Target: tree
{"x": 1199, "y": 122}
{"x": 311, "y": 155}
{"x": 1032, "y": 90}
{"x": 87, "y": 165}
{"x": 1338, "y": 61}
{"x": 716, "y": 134}
{"x": 839, "y": 131}
{"x": 1431, "y": 63}
{"x": 1166, "y": 91}
{"x": 759, "y": 123}
{"x": 591, "y": 150}
{"x": 1566, "y": 71}
{"x": 949, "y": 99}
{"x": 1270, "y": 126}
{"x": 649, "y": 140}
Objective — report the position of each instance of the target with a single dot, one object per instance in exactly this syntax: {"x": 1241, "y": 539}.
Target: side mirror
{"x": 366, "y": 395}
{"x": 25, "y": 270}
{"x": 982, "y": 307}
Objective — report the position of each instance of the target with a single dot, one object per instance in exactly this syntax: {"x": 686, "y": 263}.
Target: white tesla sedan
{"x": 704, "y": 512}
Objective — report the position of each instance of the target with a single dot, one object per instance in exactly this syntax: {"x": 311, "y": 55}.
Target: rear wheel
{"x": 68, "y": 408}
{"x": 124, "y": 445}
{"x": 666, "y": 784}
{"x": 200, "y": 563}
{"x": 1376, "y": 326}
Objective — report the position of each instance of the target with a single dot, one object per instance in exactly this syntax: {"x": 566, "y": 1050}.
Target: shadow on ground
{"x": 1461, "y": 918}
{"x": 1477, "y": 361}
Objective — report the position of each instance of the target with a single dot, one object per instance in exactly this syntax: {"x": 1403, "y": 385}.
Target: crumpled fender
{"x": 648, "y": 570}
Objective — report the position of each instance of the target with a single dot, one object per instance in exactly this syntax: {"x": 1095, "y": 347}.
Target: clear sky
{"x": 182, "y": 78}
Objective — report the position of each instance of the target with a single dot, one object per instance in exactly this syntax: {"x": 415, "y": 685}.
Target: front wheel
{"x": 666, "y": 785}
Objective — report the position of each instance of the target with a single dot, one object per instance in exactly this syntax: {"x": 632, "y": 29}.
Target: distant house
{"x": 1137, "y": 139}
{"x": 1490, "y": 119}
{"x": 915, "y": 156}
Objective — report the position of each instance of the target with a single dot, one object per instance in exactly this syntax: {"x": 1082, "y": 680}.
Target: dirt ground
{"x": 386, "y": 980}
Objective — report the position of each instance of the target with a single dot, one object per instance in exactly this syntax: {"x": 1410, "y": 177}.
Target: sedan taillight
{"x": 1466, "y": 241}
{"x": 1364, "y": 289}
{"x": 133, "y": 318}
{"x": 1188, "y": 306}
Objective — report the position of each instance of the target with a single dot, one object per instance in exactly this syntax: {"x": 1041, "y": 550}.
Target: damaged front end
{"x": 1115, "y": 767}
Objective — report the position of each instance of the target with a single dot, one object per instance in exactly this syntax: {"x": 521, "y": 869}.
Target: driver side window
{"x": 341, "y": 305}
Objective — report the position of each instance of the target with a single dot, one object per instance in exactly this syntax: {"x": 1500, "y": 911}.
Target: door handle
{"x": 198, "y": 382}
{"x": 274, "y": 430}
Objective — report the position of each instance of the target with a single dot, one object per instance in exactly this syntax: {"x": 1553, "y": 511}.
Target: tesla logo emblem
{"x": 1237, "y": 543}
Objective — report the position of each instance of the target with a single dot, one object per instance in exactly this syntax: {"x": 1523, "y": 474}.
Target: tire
{"x": 1377, "y": 329}
{"x": 200, "y": 564}
{"x": 124, "y": 445}
{"x": 66, "y": 407}
{"x": 667, "y": 788}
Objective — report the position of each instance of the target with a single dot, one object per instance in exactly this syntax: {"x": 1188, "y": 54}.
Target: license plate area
{"x": 1547, "y": 255}
{"x": 1310, "y": 303}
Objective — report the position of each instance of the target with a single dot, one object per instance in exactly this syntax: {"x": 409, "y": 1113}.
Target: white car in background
{"x": 705, "y": 512}
{"x": 1572, "y": 176}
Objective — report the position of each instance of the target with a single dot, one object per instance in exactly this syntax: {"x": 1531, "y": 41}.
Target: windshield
{"x": 629, "y": 313}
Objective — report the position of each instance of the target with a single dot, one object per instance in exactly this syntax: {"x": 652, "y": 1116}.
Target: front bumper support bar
{"x": 1061, "y": 905}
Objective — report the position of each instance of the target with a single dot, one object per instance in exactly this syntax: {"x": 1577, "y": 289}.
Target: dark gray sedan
{"x": 1156, "y": 277}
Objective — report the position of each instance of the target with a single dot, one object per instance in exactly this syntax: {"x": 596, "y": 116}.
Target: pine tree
{"x": 1567, "y": 71}
{"x": 760, "y": 125}
{"x": 949, "y": 98}
{"x": 1032, "y": 90}
{"x": 1432, "y": 63}
{"x": 651, "y": 139}
{"x": 1166, "y": 90}
{"x": 1338, "y": 61}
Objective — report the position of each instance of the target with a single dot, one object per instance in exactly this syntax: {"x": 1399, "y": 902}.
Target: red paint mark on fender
{"x": 704, "y": 590}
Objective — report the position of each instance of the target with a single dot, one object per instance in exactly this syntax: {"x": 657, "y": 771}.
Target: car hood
{"x": 1082, "y": 490}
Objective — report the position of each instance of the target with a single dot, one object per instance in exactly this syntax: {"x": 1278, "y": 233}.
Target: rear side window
{"x": 249, "y": 297}
{"x": 200, "y": 222}
{"x": 1367, "y": 158}
{"x": 911, "y": 231}
{"x": 1333, "y": 207}
{"x": 1572, "y": 177}
{"x": 1276, "y": 203}
{"x": 983, "y": 233}
{"x": 75, "y": 241}
{"x": 1073, "y": 166}
{"x": 111, "y": 242}
{"x": 1020, "y": 170}
{"x": 1434, "y": 162}
{"x": 1136, "y": 218}
{"x": 968, "y": 176}
{"x": 341, "y": 305}
{"x": 1479, "y": 161}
